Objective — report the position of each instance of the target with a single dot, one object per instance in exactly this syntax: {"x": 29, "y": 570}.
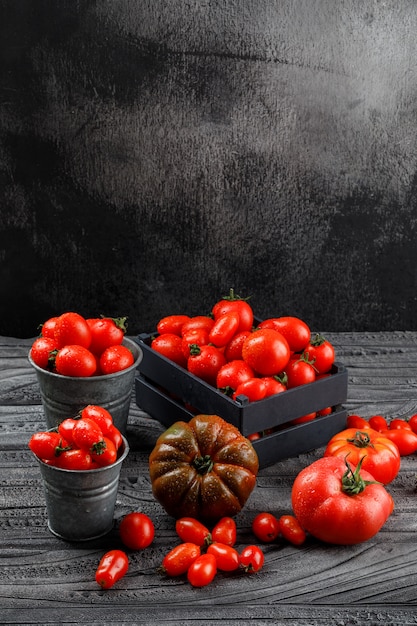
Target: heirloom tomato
{"x": 172, "y": 324}
{"x": 115, "y": 359}
{"x": 75, "y": 361}
{"x": 106, "y": 332}
{"x": 202, "y": 571}
{"x": 266, "y": 351}
{"x": 42, "y": 352}
{"x": 112, "y": 567}
{"x": 300, "y": 371}
{"x": 338, "y": 503}
{"x": 72, "y": 329}
{"x": 171, "y": 347}
{"x": 381, "y": 457}
{"x": 204, "y": 469}
{"x": 295, "y": 331}
{"x": 224, "y": 329}
{"x": 205, "y": 362}
{"x": 234, "y": 302}
{"x": 179, "y": 559}
{"x": 321, "y": 352}
{"x": 136, "y": 531}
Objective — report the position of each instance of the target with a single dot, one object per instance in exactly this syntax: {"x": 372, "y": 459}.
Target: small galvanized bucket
{"x": 65, "y": 396}
{"x": 80, "y": 503}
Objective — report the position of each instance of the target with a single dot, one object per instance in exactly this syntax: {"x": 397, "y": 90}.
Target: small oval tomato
{"x": 76, "y": 459}
{"x": 233, "y": 350}
{"x": 291, "y": 530}
{"x": 227, "y": 558}
{"x": 112, "y": 567}
{"x": 136, "y": 531}
{"x": 266, "y": 527}
{"x": 115, "y": 436}
{"x": 116, "y": 359}
{"x": 202, "y": 571}
{"x": 75, "y": 361}
{"x": 232, "y": 374}
{"x": 404, "y": 439}
{"x": 399, "y": 423}
{"x": 106, "y": 332}
{"x": 172, "y": 324}
{"x": 378, "y": 422}
{"x": 47, "y": 445}
{"x": 48, "y": 327}
{"x": 225, "y": 531}
{"x": 309, "y": 417}
{"x": 170, "y": 346}
{"x": 300, "y": 371}
{"x": 101, "y": 416}
{"x": 104, "y": 453}
{"x": 266, "y": 351}
{"x": 356, "y": 421}
{"x": 205, "y": 362}
{"x": 198, "y": 321}
{"x": 179, "y": 559}
{"x": 87, "y": 434}
{"x": 321, "y": 352}
{"x": 42, "y": 350}
{"x": 253, "y": 389}
{"x": 295, "y": 331}
{"x": 413, "y": 423}
{"x": 233, "y": 302}
{"x": 66, "y": 427}
{"x": 224, "y": 329}
{"x": 251, "y": 559}
{"x": 190, "y": 530}
{"x": 72, "y": 329}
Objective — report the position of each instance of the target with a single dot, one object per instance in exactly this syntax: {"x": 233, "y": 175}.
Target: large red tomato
{"x": 266, "y": 351}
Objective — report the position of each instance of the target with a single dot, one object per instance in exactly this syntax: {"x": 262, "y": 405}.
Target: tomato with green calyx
{"x": 338, "y": 503}
{"x": 300, "y": 371}
{"x": 266, "y": 351}
{"x": 42, "y": 352}
{"x": 205, "y": 362}
{"x": 380, "y": 456}
{"x": 233, "y": 302}
{"x": 47, "y": 445}
{"x": 112, "y": 567}
{"x": 104, "y": 453}
{"x": 294, "y": 329}
{"x": 106, "y": 332}
{"x": 196, "y": 336}
{"x": 321, "y": 352}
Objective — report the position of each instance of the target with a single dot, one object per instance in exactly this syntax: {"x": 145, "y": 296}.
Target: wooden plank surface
{"x": 44, "y": 580}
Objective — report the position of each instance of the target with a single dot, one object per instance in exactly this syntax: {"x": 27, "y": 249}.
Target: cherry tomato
{"x": 225, "y": 531}
{"x": 170, "y": 346}
{"x": 233, "y": 302}
{"x": 205, "y": 362}
{"x": 233, "y": 350}
{"x": 104, "y": 453}
{"x": 66, "y": 427}
{"x": 295, "y": 331}
{"x": 253, "y": 388}
{"x": 378, "y": 422}
{"x": 75, "y": 459}
{"x": 41, "y": 351}
{"x": 232, "y": 374}
{"x": 101, "y": 416}
{"x": 291, "y": 530}
{"x": 266, "y": 351}
{"x": 47, "y": 445}
{"x": 321, "y": 352}
{"x": 227, "y": 558}
{"x": 198, "y": 321}
{"x": 106, "y": 332}
{"x": 179, "y": 559}
{"x": 116, "y": 359}
{"x": 273, "y": 386}
{"x": 115, "y": 436}
{"x": 191, "y": 530}
{"x": 405, "y": 440}
{"x": 87, "y": 434}
{"x": 137, "y": 531}
{"x": 172, "y": 324}
{"x": 326, "y": 411}
{"x": 202, "y": 571}
{"x": 74, "y": 360}
{"x": 399, "y": 423}
{"x": 413, "y": 423}
{"x": 300, "y": 371}
{"x": 48, "y": 328}
{"x": 112, "y": 567}
{"x": 196, "y": 336}
{"x": 72, "y": 329}
{"x": 309, "y": 417}
{"x": 251, "y": 559}
{"x": 266, "y": 527}
{"x": 224, "y": 329}
{"x": 355, "y": 421}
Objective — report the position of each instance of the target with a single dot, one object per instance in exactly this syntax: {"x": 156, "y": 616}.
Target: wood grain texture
{"x": 44, "y": 580}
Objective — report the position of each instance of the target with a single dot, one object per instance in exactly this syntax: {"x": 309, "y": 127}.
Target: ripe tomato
{"x": 205, "y": 362}
{"x": 399, "y": 423}
{"x": 328, "y": 494}
{"x": 225, "y": 531}
{"x": 224, "y": 329}
{"x": 404, "y": 439}
{"x": 202, "y": 571}
{"x": 115, "y": 436}
{"x": 295, "y": 331}
{"x": 232, "y": 374}
{"x": 47, "y": 445}
{"x": 99, "y": 415}
{"x": 179, "y": 559}
{"x": 66, "y": 427}
{"x": 115, "y": 359}
{"x": 251, "y": 559}
{"x": 266, "y": 351}
{"x": 170, "y": 346}
{"x": 106, "y": 332}
{"x": 234, "y": 302}
{"x": 321, "y": 352}
{"x": 48, "y": 328}
{"x": 72, "y": 329}
{"x": 358, "y": 422}
{"x": 300, "y": 371}
{"x": 87, "y": 434}
{"x": 41, "y": 351}
{"x": 413, "y": 423}
{"x": 266, "y": 527}
{"x": 75, "y": 459}
{"x": 136, "y": 531}
{"x": 196, "y": 336}
{"x": 309, "y": 417}
{"x": 191, "y": 530}
{"x": 112, "y": 567}
{"x": 172, "y": 324}
{"x": 104, "y": 453}
{"x": 233, "y": 350}
{"x": 75, "y": 361}
{"x": 198, "y": 321}
{"x": 273, "y": 386}
{"x": 227, "y": 558}
{"x": 291, "y": 530}
{"x": 378, "y": 422}
{"x": 380, "y": 456}
{"x": 253, "y": 388}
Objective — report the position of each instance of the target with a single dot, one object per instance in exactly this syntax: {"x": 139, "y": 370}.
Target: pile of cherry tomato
{"x": 402, "y": 432}
{"x": 227, "y": 351}
{"x": 72, "y": 345}
{"x": 87, "y": 441}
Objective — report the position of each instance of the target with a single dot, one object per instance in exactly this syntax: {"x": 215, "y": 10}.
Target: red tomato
{"x": 233, "y": 350}
{"x": 225, "y": 531}
{"x": 47, "y": 445}
{"x": 379, "y": 456}
{"x": 104, "y": 453}
{"x": 328, "y": 494}
{"x": 198, "y": 321}
{"x": 87, "y": 434}
{"x": 191, "y": 530}
{"x": 115, "y": 436}
{"x": 115, "y": 359}
{"x": 325, "y": 411}
{"x": 378, "y": 422}
{"x": 136, "y": 531}
{"x": 227, "y": 558}
{"x": 224, "y": 329}
{"x": 197, "y": 337}
{"x": 232, "y": 374}
{"x": 75, "y": 459}
{"x": 251, "y": 559}
{"x": 234, "y": 302}
{"x": 106, "y": 332}
{"x": 172, "y": 324}
{"x": 75, "y": 361}
{"x": 179, "y": 559}
{"x": 295, "y": 331}
{"x": 48, "y": 328}
{"x": 404, "y": 439}
{"x": 66, "y": 427}
{"x": 273, "y": 386}
{"x": 265, "y": 527}
{"x": 322, "y": 353}
{"x": 205, "y": 362}
{"x": 253, "y": 388}
{"x": 300, "y": 371}
{"x": 291, "y": 530}
{"x": 170, "y": 346}
{"x": 309, "y": 417}
{"x": 266, "y": 351}
{"x": 99, "y": 415}
{"x": 355, "y": 421}
{"x": 72, "y": 329}
{"x": 202, "y": 571}
{"x": 413, "y": 423}
{"x": 41, "y": 351}
{"x": 399, "y": 423}
{"x": 112, "y": 567}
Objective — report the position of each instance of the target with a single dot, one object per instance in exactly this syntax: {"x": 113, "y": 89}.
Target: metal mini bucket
{"x": 65, "y": 396}
{"x": 80, "y": 503}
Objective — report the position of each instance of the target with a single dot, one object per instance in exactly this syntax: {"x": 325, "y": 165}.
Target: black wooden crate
{"x": 170, "y": 393}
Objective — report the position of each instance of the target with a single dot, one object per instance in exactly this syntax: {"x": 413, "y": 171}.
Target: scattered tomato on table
{"x": 112, "y": 567}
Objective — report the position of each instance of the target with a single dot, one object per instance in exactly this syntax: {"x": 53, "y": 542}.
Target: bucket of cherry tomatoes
{"x": 80, "y": 361}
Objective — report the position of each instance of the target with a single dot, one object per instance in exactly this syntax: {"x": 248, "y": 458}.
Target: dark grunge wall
{"x": 155, "y": 153}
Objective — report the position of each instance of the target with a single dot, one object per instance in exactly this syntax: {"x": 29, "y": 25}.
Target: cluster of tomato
{"x": 225, "y": 349}
{"x": 72, "y": 345}
{"x": 401, "y": 432}
{"x": 88, "y": 441}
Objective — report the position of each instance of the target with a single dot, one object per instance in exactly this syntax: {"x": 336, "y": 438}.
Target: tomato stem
{"x": 361, "y": 439}
{"x": 232, "y": 296}
{"x": 352, "y": 481}
{"x": 203, "y": 464}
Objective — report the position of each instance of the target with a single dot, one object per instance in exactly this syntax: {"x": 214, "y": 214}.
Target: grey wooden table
{"x": 44, "y": 580}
